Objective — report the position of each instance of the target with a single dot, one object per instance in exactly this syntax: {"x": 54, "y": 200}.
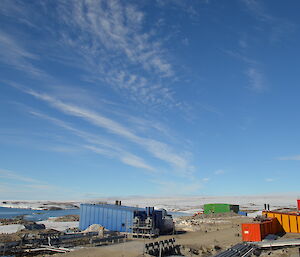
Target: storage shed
{"x": 220, "y": 208}
{"x": 112, "y": 217}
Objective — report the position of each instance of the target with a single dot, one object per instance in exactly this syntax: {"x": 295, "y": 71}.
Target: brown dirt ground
{"x": 209, "y": 238}
{"x": 204, "y": 240}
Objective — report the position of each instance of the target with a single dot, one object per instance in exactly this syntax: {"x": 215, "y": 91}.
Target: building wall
{"x": 220, "y": 208}
{"x": 112, "y": 217}
{"x": 235, "y": 208}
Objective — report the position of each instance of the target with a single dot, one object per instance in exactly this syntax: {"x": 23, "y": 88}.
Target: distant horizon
{"x": 295, "y": 196}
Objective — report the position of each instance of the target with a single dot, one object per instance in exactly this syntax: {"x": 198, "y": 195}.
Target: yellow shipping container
{"x": 298, "y": 221}
{"x": 286, "y": 222}
{"x": 293, "y": 224}
{"x": 289, "y": 222}
{"x": 279, "y": 217}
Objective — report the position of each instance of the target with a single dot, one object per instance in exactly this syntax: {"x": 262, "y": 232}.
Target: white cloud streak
{"x": 269, "y": 180}
{"x": 118, "y": 27}
{"x": 21, "y": 186}
{"x": 124, "y": 156}
{"x": 279, "y": 28}
{"x": 13, "y": 54}
{"x": 112, "y": 47}
{"x": 219, "y": 172}
{"x": 258, "y": 10}
{"x": 110, "y": 31}
{"x": 168, "y": 187}
{"x": 100, "y": 145}
{"x": 290, "y": 158}
{"x": 257, "y": 81}
{"x": 156, "y": 148}
{"x": 6, "y": 174}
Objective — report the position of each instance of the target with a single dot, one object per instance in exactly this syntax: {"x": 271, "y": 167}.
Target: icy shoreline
{"x": 188, "y": 204}
{"x": 40, "y": 205}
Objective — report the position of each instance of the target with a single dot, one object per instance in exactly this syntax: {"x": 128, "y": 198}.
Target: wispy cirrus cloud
{"x": 97, "y": 144}
{"x": 16, "y": 56}
{"x": 156, "y": 148}
{"x": 176, "y": 188}
{"x": 256, "y": 80}
{"x": 289, "y": 158}
{"x": 110, "y": 31}
{"x": 117, "y": 26}
{"x": 219, "y": 172}
{"x": 169, "y": 187}
{"x": 269, "y": 180}
{"x": 274, "y": 29}
{"x": 7, "y": 174}
{"x": 112, "y": 47}
{"x": 256, "y": 8}
{"x": 278, "y": 28}
{"x": 15, "y": 185}
{"x": 18, "y": 11}
{"x": 124, "y": 156}
{"x": 239, "y": 56}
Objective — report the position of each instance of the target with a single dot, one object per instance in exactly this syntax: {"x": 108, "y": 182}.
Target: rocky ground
{"x": 202, "y": 235}
{"x": 67, "y": 218}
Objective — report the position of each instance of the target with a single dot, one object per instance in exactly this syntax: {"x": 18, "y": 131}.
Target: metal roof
{"x": 114, "y": 206}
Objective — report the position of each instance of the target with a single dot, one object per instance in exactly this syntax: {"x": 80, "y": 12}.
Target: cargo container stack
{"x": 281, "y": 222}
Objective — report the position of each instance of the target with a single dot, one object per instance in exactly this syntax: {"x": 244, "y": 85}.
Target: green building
{"x": 220, "y": 208}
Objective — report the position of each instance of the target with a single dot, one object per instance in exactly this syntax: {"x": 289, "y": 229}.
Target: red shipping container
{"x": 254, "y": 232}
{"x": 275, "y": 226}
{"x": 298, "y": 201}
{"x": 265, "y": 229}
{"x": 251, "y": 232}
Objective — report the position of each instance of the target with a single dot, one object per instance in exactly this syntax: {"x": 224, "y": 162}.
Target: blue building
{"x": 112, "y": 217}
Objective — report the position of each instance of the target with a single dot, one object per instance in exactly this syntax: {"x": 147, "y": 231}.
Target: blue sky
{"x": 119, "y": 98}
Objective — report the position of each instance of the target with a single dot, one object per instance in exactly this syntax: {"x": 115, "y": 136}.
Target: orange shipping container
{"x": 251, "y": 232}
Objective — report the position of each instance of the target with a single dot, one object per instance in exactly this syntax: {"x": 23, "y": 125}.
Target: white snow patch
{"x": 40, "y": 205}
{"x": 9, "y": 229}
{"x": 60, "y": 226}
{"x": 254, "y": 214}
